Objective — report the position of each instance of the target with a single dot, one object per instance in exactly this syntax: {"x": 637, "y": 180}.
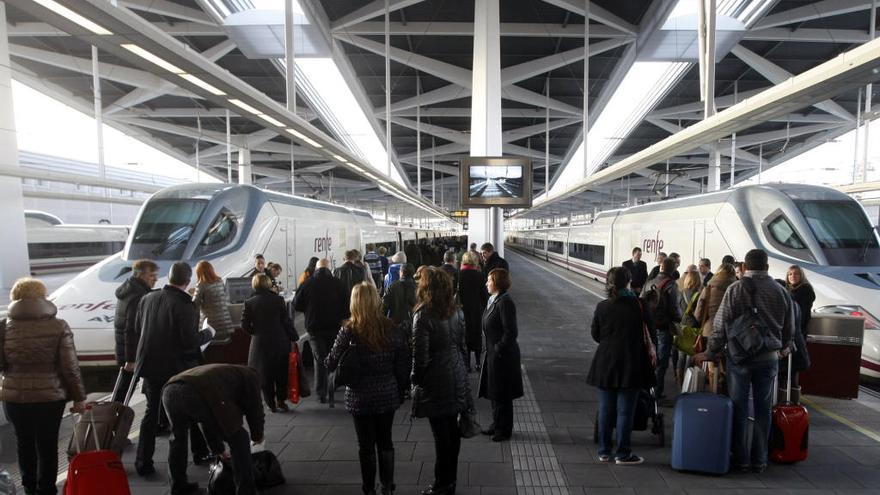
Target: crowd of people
{"x": 409, "y": 332}
{"x": 640, "y": 328}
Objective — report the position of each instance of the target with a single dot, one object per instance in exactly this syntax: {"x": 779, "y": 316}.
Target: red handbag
{"x": 293, "y": 387}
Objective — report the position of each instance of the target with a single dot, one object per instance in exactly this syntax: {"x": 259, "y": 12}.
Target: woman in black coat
{"x": 500, "y": 381}
{"x": 266, "y": 319}
{"x": 804, "y": 296}
{"x": 473, "y": 297}
{"x": 439, "y": 373}
{"x": 622, "y": 366}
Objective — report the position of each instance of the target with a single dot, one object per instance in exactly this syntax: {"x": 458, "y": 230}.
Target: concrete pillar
{"x": 707, "y": 80}
{"x": 486, "y": 225}
{"x": 244, "y": 167}
{"x": 290, "y": 76}
{"x": 13, "y": 250}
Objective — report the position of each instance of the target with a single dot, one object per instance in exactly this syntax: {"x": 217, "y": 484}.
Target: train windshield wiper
{"x": 176, "y": 237}
{"x": 867, "y": 244}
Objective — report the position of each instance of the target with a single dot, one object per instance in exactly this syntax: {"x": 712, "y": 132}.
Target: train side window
{"x": 220, "y": 233}
{"x": 554, "y": 247}
{"x": 782, "y": 232}
{"x": 593, "y": 253}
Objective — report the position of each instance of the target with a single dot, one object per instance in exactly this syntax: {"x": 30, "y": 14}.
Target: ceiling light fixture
{"x": 149, "y": 57}
{"x": 299, "y": 135}
{"x": 73, "y": 17}
{"x": 244, "y": 106}
{"x": 270, "y": 120}
{"x": 339, "y": 158}
{"x": 202, "y": 84}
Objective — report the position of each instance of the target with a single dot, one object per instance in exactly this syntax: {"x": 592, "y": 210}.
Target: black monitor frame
{"x": 525, "y": 201}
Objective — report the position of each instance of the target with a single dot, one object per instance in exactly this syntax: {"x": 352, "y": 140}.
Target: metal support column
{"x": 869, "y": 89}
{"x": 99, "y": 123}
{"x": 290, "y": 73}
{"x": 388, "y": 85}
{"x": 14, "y": 262}
{"x": 433, "y": 175}
{"x": 486, "y": 225}
{"x": 228, "y": 150}
{"x": 244, "y": 166}
{"x": 856, "y": 170}
{"x": 707, "y": 80}
{"x": 547, "y": 139}
{"x": 586, "y": 115}
{"x": 418, "y": 137}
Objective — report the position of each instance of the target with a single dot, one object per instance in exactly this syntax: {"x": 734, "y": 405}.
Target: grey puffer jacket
{"x": 213, "y": 301}
{"x": 438, "y": 365}
{"x": 37, "y": 355}
{"x": 384, "y": 376}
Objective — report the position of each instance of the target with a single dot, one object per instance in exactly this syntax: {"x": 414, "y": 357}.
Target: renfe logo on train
{"x": 322, "y": 244}
{"x": 652, "y": 245}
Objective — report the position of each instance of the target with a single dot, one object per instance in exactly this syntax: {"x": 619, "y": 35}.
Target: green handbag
{"x": 687, "y": 336}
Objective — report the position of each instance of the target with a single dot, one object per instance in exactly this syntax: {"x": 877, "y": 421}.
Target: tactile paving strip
{"x": 535, "y": 467}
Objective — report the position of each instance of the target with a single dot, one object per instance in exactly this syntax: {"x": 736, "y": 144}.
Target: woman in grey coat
{"x": 213, "y": 301}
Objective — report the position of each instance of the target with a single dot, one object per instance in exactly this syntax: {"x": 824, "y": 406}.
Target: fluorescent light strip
{"x": 149, "y": 57}
{"x": 270, "y": 120}
{"x": 202, "y": 84}
{"x": 339, "y": 158}
{"x": 244, "y": 106}
{"x": 73, "y": 17}
{"x": 308, "y": 140}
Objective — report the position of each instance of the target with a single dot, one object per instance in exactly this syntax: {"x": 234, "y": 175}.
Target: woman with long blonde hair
{"x": 383, "y": 379}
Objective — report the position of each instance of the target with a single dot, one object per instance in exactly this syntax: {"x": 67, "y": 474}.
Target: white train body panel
{"x": 845, "y": 274}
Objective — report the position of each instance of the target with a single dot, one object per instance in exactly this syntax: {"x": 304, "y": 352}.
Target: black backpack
{"x": 656, "y": 302}
{"x": 748, "y": 335}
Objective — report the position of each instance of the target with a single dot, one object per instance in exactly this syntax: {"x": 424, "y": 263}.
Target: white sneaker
{"x": 630, "y": 460}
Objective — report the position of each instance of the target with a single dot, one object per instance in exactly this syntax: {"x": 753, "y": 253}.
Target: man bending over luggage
{"x": 216, "y": 396}
{"x": 752, "y": 363}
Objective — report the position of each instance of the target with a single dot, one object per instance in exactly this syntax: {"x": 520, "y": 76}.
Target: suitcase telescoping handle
{"x": 89, "y": 427}
{"x": 788, "y": 381}
{"x": 131, "y": 385}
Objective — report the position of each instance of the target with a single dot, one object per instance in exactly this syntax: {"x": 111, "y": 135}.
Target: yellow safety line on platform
{"x": 840, "y": 419}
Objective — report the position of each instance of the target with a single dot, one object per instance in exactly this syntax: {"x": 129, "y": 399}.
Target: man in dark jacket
{"x": 637, "y": 269}
{"x": 661, "y": 299}
{"x": 705, "y": 268}
{"x": 374, "y": 261}
{"x": 259, "y": 266}
{"x": 324, "y": 300}
{"x": 169, "y": 343}
{"x": 491, "y": 259}
{"x": 128, "y": 295}
{"x": 400, "y": 298}
{"x": 448, "y": 266}
{"x": 350, "y": 273}
{"x": 215, "y": 396}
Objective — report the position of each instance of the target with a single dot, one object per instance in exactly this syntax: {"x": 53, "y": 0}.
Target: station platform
{"x": 552, "y": 450}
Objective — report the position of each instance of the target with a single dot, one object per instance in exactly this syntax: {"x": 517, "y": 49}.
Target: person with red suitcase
{"x": 40, "y": 373}
{"x": 789, "y": 435}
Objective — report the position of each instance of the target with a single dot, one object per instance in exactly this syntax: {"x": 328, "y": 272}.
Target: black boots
{"x": 386, "y": 471}
{"x": 368, "y": 471}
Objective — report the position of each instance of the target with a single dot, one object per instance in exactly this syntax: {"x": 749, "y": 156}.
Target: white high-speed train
{"x": 226, "y": 225}
{"x": 55, "y": 246}
{"x": 823, "y": 230}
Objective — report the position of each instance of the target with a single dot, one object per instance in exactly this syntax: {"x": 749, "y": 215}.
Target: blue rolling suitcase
{"x": 702, "y": 432}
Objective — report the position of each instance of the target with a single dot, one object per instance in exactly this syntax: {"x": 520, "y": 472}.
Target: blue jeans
{"x": 664, "y": 352}
{"x": 616, "y": 406}
{"x": 759, "y": 376}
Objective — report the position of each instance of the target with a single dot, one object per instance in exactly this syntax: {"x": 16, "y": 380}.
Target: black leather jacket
{"x": 438, "y": 364}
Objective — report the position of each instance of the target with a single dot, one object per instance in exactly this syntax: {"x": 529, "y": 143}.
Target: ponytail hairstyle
{"x": 617, "y": 279}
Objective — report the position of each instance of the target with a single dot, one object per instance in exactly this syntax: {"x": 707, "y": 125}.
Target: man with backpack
{"x": 754, "y": 327}
{"x": 661, "y": 299}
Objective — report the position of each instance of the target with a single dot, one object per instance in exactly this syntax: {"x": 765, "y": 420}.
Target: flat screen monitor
{"x": 239, "y": 289}
{"x": 496, "y": 181}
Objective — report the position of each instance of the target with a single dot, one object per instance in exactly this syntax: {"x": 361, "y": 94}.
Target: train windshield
{"x": 842, "y": 231}
{"x": 164, "y": 228}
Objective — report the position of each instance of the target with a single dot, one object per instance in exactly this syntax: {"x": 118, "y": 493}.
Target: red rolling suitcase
{"x": 96, "y": 472}
{"x": 789, "y": 434}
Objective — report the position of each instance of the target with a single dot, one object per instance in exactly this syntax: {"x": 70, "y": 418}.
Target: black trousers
{"x": 373, "y": 433}
{"x": 321, "y": 345}
{"x": 150, "y": 426}
{"x": 274, "y": 378}
{"x": 502, "y": 417}
{"x": 186, "y": 408}
{"x": 36, "y": 428}
{"x": 447, "y": 443}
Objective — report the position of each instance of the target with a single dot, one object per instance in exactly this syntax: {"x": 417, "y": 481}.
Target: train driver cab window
{"x": 164, "y": 228}
{"x": 783, "y": 236}
{"x": 219, "y": 235}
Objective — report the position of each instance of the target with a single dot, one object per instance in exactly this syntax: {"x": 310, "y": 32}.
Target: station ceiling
{"x": 430, "y": 69}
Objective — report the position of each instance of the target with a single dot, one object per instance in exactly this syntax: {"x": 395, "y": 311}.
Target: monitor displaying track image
{"x": 495, "y": 181}
{"x": 491, "y": 181}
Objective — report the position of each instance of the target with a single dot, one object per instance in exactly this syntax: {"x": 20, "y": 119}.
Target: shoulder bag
{"x": 349, "y": 368}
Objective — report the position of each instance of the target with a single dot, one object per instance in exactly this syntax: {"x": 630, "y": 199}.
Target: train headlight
{"x": 871, "y": 323}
